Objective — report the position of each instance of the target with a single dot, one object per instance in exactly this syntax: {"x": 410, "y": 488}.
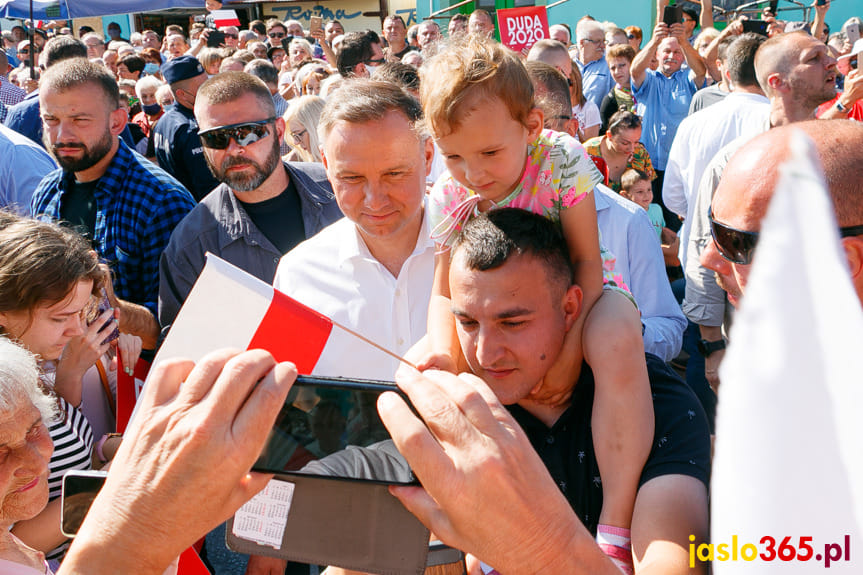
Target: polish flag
{"x": 224, "y": 18}
{"x": 228, "y": 307}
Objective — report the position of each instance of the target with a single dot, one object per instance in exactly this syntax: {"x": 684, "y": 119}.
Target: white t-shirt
{"x": 588, "y": 115}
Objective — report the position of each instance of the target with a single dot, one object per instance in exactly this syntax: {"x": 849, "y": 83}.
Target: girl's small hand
{"x": 439, "y": 361}
{"x": 129, "y": 347}
{"x": 82, "y": 352}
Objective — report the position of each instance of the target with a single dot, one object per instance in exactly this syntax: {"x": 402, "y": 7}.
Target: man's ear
{"x": 280, "y": 129}
{"x": 534, "y": 124}
{"x": 117, "y": 121}
{"x": 775, "y": 81}
{"x": 572, "y": 127}
{"x": 853, "y": 247}
{"x": 572, "y": 301}
{"x": 428, "y": 153}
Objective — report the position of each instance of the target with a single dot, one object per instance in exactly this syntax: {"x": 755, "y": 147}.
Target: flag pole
{"x": 373, "y": 344}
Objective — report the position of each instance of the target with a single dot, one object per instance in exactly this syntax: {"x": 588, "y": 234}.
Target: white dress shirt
{"x": 627, "y": 232}
{"x": 335, "y": 274}
{"x": 698, "y": 139}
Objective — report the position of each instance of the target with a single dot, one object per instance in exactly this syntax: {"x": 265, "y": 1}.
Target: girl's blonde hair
{"x": 307, "y": 111}
{"x": 466, "y": 74}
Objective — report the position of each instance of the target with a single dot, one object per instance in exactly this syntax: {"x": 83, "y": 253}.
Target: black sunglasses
{"x": 244, "y": 134}
{"x": 276, "y": 34}
{"x": 738, "y": 246}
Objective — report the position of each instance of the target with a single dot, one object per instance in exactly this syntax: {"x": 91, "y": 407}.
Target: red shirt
{"x": 855, "y": 112}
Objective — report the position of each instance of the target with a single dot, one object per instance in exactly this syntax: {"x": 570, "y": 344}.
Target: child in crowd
{"x": 479, "y": 104}
{"x": 635, "y": 186}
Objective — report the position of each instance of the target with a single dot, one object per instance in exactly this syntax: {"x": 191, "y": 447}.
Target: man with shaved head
{"x": 749, "y": 181}
{"x": 796, "y": 74}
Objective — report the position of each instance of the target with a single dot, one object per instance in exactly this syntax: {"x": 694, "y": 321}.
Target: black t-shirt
{"x": 78, "y": 208}
{"x": 681, "y": 440}
{"x": 280, "y": 218}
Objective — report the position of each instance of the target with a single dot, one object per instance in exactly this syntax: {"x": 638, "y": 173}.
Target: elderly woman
{"x": 50, "y": 283}
{"x": 27, "y": 447}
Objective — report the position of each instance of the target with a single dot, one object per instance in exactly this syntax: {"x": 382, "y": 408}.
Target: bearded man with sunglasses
{"x": 263, "y": 206}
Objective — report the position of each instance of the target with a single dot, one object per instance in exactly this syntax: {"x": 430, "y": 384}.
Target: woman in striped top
{"x": 48, "y": 278}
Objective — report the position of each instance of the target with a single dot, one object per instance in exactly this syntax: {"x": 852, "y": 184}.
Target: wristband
{"x": 102, "y": 459}
{"x": 840, "y": 107}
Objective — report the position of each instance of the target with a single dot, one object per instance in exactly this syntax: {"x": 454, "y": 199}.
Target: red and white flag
{"x": 228, "y": 307}
{"x": 224, "y": 18}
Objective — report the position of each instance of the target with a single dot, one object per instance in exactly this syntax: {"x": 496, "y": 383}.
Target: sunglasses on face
{"x": 276, "y": 34}
{"x": 244, "y": 134}
{"x": 734, "y": 245}
{"x": 738, "y": 246}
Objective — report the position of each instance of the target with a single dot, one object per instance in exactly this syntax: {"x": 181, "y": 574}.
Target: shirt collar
{"x": 354, "y": 247}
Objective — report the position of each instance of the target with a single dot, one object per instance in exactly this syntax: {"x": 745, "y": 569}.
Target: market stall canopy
{"x": 69, "y": 9}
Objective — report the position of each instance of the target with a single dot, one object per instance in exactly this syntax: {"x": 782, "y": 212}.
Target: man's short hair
{"x": 585, "y": 27}
{"x": 226, "y": 87}
{"x": 264, "y": 70}
{"x": 258, "y": 27}
{"x": 563, "y": 27}
{"x": 396, "y": 17}
{"x": 72, "y": 73}
{"x": 551, "y": 88}
{"x": 273, "y": 23}
{"x": 133, "y": 63}
{"x": 692, "y": 13}
{"x": 400, "y": 74}
{"x": 740, "y": 59}
{"x": 621, "y": 51}
{"x": 361, "y": 100}
{"x": 62, "y": 48}
{"x": 466, "y": 75}
{"x": 459, "y": 18}
{"x": 777, "y": 55}
{"x": 489, "y": 240}
{"x": 356, "y": 48}
{"x": 547, "y": 46}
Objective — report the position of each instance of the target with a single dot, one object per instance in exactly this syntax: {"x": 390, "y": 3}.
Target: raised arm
{"x": 638, "y": 71}
{"x": 705, "y": 20}
{"x": 693, "y": 60}
{"x": 820, "y": 18}
{"x": 733, "y": 29}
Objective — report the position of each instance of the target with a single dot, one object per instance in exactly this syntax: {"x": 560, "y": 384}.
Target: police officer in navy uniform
{"x": 178, "y": 148}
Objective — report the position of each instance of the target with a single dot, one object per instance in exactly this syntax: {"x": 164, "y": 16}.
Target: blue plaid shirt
{"x": 138, "y": 205}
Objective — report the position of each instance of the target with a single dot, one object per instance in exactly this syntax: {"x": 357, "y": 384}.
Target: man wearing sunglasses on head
{"x": 262, "y": 208}
{"x": 748, "y": 183}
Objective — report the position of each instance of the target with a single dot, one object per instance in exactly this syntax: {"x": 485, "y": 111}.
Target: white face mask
{"x": 370, "y": 68}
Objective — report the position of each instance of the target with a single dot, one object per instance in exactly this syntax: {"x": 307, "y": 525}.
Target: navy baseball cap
{"x": 181, "y": 68}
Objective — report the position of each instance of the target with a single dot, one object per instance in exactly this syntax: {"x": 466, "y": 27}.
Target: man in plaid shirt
{"x": 124, "y": 204}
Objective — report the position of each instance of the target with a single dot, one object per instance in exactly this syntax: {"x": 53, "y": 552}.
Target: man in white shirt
{"x": 744, "y": 112}
{"x": 373, "y": 271}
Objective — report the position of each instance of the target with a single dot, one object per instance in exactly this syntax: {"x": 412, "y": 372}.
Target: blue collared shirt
{"x": 24, "y": 118}
{"x": 627, "y": 232}
{"x": 138, "y": 205}
{"x": 596, "y": 80}
{"x": 662, "y": 104}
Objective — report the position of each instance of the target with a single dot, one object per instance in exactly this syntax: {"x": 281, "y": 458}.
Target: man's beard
{"x": 92, "y": 155}
{"x": 243, "y": 181}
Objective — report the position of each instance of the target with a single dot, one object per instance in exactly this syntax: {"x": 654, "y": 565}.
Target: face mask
{"x": 150, "y": 68}
{"x": 370, "y": 68}
{"x": 151, "y": 109}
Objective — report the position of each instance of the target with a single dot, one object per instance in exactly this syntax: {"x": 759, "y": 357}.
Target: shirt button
{"x": 562, "y": 486}
{"x": 401, "y": 341}
{"x": 398, "y": 292}
{"x": 550, "y": 440}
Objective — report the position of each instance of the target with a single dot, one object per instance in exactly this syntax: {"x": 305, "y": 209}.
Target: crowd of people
{"x": 568, "y": 229}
